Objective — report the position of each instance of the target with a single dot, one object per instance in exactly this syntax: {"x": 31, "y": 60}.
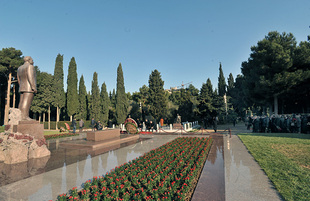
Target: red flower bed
{"x": 60, "y": 135}
{"x": 169, "y": 172}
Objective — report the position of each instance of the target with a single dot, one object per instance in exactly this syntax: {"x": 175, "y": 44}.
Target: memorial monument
{"x": 23, "y": 138}
{"x": 177, "y": 124}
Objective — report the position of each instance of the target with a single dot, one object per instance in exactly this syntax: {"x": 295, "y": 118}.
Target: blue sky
{"x": 184, "y": 40}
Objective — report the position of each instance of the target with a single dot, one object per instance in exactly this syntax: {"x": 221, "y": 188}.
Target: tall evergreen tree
{"x": 82, "y": 99}
{"x": 72, "y": 93}
{"x": 58, "y": 87}
{"x": 221, "y": 82}
{"x": 121, "y": 97}
{"x": 230, "y": 86}
{"x": 113, "y": 98}
{"x": 95, "y": 108}
{"x": 209, "y": 87}
{"x": 157, "y": 99}
{"x": 105, "y": 102}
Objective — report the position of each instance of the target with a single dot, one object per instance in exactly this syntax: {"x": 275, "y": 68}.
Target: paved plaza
{"x": 236, "y": 175}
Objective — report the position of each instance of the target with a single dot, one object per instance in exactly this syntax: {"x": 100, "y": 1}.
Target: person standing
{"x": 99, "y": 125}
{"x": 147, "y": 125}
{"x": 26, "y": 77}
{"x": 92, "y": 124}
{"x": 74, "y": 125}
{"x": 81, "y": 125}
{"x": 215, "y": 123}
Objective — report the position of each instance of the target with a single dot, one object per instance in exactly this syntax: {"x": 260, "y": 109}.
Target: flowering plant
{"x": 169, "y": 172}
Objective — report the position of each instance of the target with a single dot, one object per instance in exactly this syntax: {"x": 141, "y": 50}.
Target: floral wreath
{"x": 131, "y": 126}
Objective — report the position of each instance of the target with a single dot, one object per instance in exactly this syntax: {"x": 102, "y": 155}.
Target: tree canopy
{"x": 121, "y": 97}
{"x": 157, "y": 100}
{"x": 72, "y": 94}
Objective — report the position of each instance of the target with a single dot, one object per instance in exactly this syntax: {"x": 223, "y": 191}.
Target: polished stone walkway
{"x": 240, "y": 177}
{"x": 244, "y": 179}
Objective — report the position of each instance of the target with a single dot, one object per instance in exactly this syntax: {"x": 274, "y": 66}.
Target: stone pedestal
{"x": 103, "y": 135}
{"x": 177, "y": 126}
{"x": 33, "y": 128}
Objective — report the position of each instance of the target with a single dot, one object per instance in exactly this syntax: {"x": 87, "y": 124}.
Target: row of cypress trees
{"x": 76, "y": 102}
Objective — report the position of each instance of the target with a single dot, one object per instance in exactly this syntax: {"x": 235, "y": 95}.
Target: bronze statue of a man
{"x": 26, "y": 76}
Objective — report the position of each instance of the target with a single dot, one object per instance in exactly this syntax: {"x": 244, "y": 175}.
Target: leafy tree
{"x": 58, "y": 87}
{"x": 105, "y": 102}
{"x": 221, "y": 82}
{"x": 10, "y": 60}
{"x": 186, "y": 106}
{"x": 239, "y": 99}
{"x": 144, "y": 92}
{"x": 157, "y": 99}
{"x": 82, "y": 113}
{"x": 269, "y": 71}
{"x": 43, "y": 100}
{"x": 175, "y": 97}
{"x": 205, "y": 106}
{"x": 193, "y": 90}
{"x": 121, "y": 97}
{"x": 95, "y": 105}
{"x": 72, "y": 94}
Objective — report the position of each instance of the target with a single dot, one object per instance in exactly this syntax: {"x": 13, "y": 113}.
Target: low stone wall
{"x": 103, "y": 135}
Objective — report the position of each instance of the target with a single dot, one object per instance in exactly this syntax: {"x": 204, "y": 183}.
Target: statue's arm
{"x": 32, "y": 78}
{"x": 18, "y": 77}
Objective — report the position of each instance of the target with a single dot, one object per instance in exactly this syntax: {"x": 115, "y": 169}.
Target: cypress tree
{"x": 72, "y": 94}
{"x": 157, "y": 98}
{"x": 105, "y": 102}
{"x": 95, "y": 109}
{"x": 230, "y": 86}
{"x": 210, "y": 87}
{"x": 121, "y": 97}
{"x": 221, "y": 82}
{"x": 82, "y": 99}
{"x": 58, "y": 87}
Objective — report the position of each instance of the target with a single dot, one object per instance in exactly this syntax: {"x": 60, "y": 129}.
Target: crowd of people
{"x": 149, "y": 125}
{"x": 294, "y": 123}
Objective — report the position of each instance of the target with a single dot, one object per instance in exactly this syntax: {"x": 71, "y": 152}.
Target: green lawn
{"x": 53, "y": 132}
{"x": 286, "y": 160}
{"x": 1, "y": 129}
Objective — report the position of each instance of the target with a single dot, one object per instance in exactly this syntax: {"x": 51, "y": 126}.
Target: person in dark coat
{"x": 74, "y": 125}
{"x": 215, "y": 119}
{"x": 152, "y": 126}
{"x": 92, "y": 124}
{"x": 139, "y": 124}
{"x": 147, "y": 125}
{"x": 99, "y": 126}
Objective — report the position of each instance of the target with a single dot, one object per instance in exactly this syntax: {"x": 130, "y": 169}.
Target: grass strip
{"x": 59, "y": 135}
{"x": 285, "y": 158}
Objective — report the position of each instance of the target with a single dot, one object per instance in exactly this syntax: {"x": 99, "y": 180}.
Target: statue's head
{"x": 28, "y": 59}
